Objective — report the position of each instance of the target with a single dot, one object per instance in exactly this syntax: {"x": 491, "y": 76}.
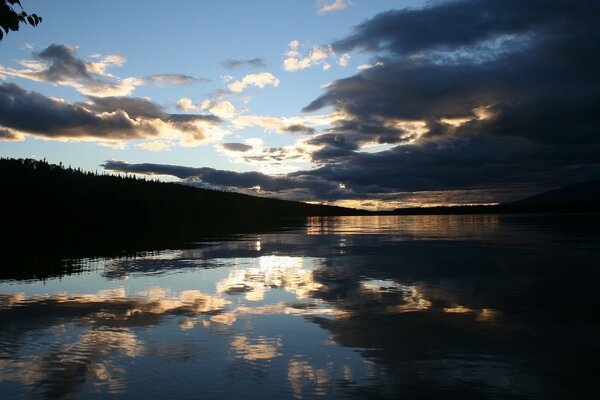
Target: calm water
{"x": 466, "y": 307}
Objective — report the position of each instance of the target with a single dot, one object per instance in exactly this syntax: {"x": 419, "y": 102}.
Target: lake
{"x": 432, "y": 307}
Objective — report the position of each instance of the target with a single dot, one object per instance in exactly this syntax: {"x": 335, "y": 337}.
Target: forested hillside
{"x": 46, "y": 203}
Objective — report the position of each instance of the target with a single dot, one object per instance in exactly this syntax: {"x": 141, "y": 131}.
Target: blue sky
{"x": 375, "y": 104}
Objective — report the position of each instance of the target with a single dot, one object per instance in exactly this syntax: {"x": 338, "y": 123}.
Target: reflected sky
{"x": 373, "y": 307}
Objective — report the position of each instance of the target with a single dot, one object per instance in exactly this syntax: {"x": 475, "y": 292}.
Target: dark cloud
{"x": 55, "y": 118}
{"x": 133, "y": 106}
{"x": 182, "y": 118}
{"x": 453, "y": 24}
{"x": 8, "y": 135}
{"x": 356, "y": 180}
{"x": 523, "y": 78}
{"x": 252, "y": 63}
{"x": 240, "y": 147}
{"x": 103, "y": 118}
{"x": 63, "y": 64}
{"x": 293, "y": 187}
{"x": 299, "y": 128}
{"x": 171, "y": 79}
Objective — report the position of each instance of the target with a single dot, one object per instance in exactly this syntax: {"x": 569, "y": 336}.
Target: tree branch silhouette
{"x": 10, "y": 18}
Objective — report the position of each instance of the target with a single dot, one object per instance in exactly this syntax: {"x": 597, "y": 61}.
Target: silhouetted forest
{"x": 51, "y": 206}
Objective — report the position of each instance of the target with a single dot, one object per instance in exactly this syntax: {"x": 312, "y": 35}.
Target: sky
{"x": 369, "y": 104}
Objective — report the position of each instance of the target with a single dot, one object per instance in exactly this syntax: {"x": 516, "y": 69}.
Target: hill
{"x": 580, "y": 197}
{"x": 50, "y": 205}
{"x": 577, "y": 194}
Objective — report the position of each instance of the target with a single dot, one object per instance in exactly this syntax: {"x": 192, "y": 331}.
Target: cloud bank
{"x": 99, "y": 118}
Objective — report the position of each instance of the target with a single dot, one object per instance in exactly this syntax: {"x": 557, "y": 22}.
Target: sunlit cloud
{"x": 294, "y": 124}
{"x": 344, "y": 60}
{"x": 115, "y": 145}
{"x": 154, "y": 146}
{"x": 367, "y": 66}
{"x": 327, "y": 6}
{"x": 222, "y": 109}
{"x": 269, "y": 160}
{"x": 259, "y": 80}
{"x": 268, "y": 273}
{"x": 261, "y": 348}
{"x": 316, "y": 56}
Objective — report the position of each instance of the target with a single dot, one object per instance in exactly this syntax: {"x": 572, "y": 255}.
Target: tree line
{"x": 52, "y": 205}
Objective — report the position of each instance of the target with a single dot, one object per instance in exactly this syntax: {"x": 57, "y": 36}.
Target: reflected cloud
{"x": 114, "y": 306}
{"x": 261, "y": 348}
{"x": 301, "y": 374}
{"x": 307, "y": 310}
{"x": 270, "y": 272}
{"x": 90, "y": 360}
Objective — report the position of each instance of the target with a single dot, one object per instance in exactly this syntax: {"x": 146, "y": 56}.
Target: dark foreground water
{"x": 428, "y": 307}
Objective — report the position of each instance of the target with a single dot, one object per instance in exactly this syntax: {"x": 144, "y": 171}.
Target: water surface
{"x": 481, "y": 307}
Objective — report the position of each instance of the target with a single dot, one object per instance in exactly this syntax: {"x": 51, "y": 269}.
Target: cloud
{"x": 259, "y": 80}
{"x": 135, "y": 107}
{"x": 269, "y": 160}
{"x": 317, "y": 56}
{"x": 299, "y": 128}
{"x": 499, "y": 97}
{"x": 344, "y": 60}
{"x": 296, "y": 186}
{"x": 59, "y": 64}
{"x": 10, "y": 136}
{"x": 324, "y": 6}
{"x": 222, "y": 109}
{"x": 170, "y": 79}
{"x": 236, "y": 147}
{"x": 367, "y": 66}
{"x": 251, "y": 63}
{"x": 154, "y": 146}
{"x": 104, "y": 119}
{"x": 296, "y": 124}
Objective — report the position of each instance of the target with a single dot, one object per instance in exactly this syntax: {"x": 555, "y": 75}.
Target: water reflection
{"x": 464, "y": 306}
{"x": 271, "y": 272}
{"x": 419, "y": 226}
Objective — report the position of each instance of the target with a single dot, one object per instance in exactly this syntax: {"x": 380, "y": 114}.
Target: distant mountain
{"x": 580, "y": 197}
{"x": 579, "y": 193}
